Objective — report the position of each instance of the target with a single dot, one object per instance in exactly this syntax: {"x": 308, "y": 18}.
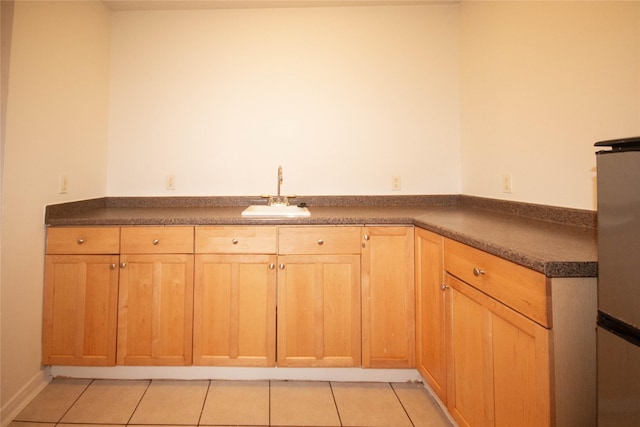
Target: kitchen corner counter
{"x": 555, "y": 241}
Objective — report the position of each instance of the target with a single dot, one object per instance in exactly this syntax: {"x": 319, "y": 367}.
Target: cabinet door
{"x": 156, "y": 310}
{"x": 431, "y": 349}
{"x": 319, "y": 310}
{"x": 80, "y": 310}
{"x": 388, "y": 298}
{"x": 499, "y": 363}
{"x": 468, "y": 392}
{"x": 235, "y": 310}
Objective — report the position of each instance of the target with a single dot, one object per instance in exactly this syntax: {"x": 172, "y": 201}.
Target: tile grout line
{"x": 204, "y": 403}
{"x": 335, "y": 403}
{"x": 401, "y": 404}
{"x": 74, "y": 402}
{"x": 269, "y": 422}
{"x": 138, "y": 404}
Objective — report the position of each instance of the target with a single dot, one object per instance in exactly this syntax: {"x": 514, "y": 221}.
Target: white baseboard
{"x": 237, "y": 373}
{"x": 25, "y": 395}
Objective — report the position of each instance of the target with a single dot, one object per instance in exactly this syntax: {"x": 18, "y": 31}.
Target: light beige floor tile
{"x": 302, "y": 403}
{"x": 52, "y": 402}
{"x": 422, "y": 408}
{"x": 369, "y": 404}
{"x": 237, "y": 403}
{"x": 29, "y": 424}
{"x": 107, "y": 402}
{"x": 171, "y": 402}
{"x": 88, "y": 425}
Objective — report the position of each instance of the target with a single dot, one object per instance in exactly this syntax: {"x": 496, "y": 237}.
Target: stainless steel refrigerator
{"x": 618, "y": 324}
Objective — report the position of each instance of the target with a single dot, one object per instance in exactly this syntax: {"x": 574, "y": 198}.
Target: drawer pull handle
{"x": 272, "y": 266}
{"x": 444, "y": 287}
{"x": 81, "y": 241}
{"x": 234, "y": 241}
{"x": 155, "y": 242}
{"x": 320, "y": 242}
{"x": 478, "y": 271}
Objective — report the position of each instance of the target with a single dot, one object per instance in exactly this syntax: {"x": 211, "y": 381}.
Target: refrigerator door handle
{"x": 618, "y": 327}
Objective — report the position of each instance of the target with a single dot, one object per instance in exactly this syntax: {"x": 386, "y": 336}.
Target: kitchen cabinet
{"x": 80, "y": 296}
{"x": 155, "y": 313}
{"x": 499, "y": 362}
{"x": 431, "y": 308}
{"x": 499, "y": 354}
{"x": 318, "y": 318}
{"x": 388, "y": 297}
{"x": 234, "y": 321}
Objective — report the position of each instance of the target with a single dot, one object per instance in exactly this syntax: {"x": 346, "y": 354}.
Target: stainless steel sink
{"x": 289, "y": 211}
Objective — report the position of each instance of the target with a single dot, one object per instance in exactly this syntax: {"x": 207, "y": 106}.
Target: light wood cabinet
{"x": 319, "y": 296}
{"x": 499, "y": 355}
{"x": 80, "y": 297}
{"x": 388, "y": 297}
{"x": 500, "y": 362}
{"x": 431, "y": 341}
{"x": 235, "y": 296}
{"x": 155, "y": 314}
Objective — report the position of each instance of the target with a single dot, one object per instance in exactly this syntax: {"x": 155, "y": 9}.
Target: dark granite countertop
{"x": 555, "y": 241}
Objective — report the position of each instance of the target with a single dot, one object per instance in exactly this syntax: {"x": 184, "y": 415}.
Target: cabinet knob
{"x": 113, "y": 266}
{"x": 234, "y": 241}
{"x": 272, "y": 266}
{"x": 123, "y": 264}
{"x": 367, "y": 237}
{"x": 80, "y": 241}
{"x": 320, "y": 242}
{"x": 478, "y": 271}
{"x": 281, "y": 266}
{"x": 444, "y": 287}
{"x": 155, "y": 242}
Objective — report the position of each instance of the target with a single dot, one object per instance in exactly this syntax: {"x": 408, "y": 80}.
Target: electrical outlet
{"x": 507, "y": 184}
{"x": 396, "y": 183}
{"x": 63, "y": 184}
{"x": 171, "y": 182}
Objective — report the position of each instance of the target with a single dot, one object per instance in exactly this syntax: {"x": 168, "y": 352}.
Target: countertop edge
{"x": 370, "y": 210}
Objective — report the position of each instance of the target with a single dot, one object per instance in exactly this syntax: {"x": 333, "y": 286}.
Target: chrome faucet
{"x": 278, "y": 199}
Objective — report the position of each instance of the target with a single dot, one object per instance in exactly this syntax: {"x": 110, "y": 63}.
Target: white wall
{"x": 541, "y": 82}
{"x": 56, "y": 123}
{"x": 342, "y": 98}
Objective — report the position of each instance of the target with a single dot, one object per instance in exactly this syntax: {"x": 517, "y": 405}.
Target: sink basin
{"x": 290, "y": 211}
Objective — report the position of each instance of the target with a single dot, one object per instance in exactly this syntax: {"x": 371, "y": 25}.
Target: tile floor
{"x": 74, "y": 403}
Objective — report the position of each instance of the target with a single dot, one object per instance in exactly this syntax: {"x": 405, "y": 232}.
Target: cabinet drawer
{"x": 524, "y": 290}
{"x": 319, "y": 240}
{"x": 154, "y": 240}
{"x": 83, "y": 240}
{"x": 236, "y": 240}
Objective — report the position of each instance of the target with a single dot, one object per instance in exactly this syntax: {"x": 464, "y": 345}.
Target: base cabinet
{"x": 332, "y": 296}
{"x": 80, "y": 296}
{"x": 234, "y": 319}
{"x": 500, "y": 344}
{"x": 155, "y": 313}
{"x": 319, "y": 310}
{"x": 234, "y": 310}
{"x": 431, "y": 299}
{"x": 80, "y": 310}
{"x": 388, "y": 297}
{"x": 499, "y": 362}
